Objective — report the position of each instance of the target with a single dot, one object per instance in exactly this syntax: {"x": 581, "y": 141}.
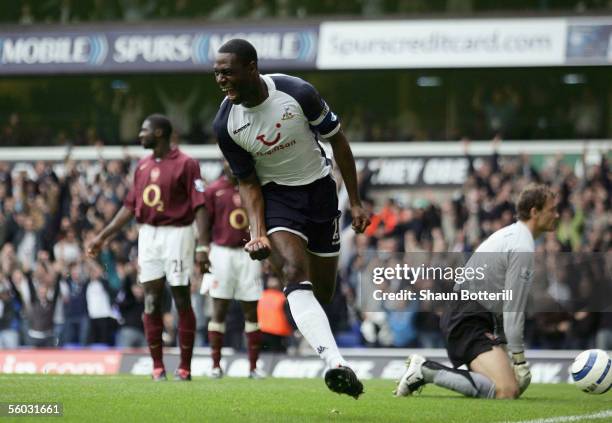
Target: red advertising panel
{"x": 60, "y": 362}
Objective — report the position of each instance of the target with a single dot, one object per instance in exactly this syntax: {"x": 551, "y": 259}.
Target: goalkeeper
{"x": 474, "y": 331}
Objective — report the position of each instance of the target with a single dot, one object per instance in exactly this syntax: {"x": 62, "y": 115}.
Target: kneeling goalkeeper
{"x": 474, "y": 331}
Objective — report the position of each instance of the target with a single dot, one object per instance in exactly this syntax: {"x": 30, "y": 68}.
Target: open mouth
{"x": 229, "y": 92}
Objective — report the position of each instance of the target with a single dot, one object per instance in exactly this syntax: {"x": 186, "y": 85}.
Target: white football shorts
{"x": 166, "y": 251}
{"x": 235, "y": 275}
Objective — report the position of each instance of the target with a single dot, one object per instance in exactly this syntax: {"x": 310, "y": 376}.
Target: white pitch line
{"x": 560, "y": 419}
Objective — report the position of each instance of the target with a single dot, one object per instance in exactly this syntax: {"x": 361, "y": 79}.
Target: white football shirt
{"x": 278, "y": 139}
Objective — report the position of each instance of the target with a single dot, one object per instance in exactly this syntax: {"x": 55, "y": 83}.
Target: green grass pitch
{"x": 136, "y": 398}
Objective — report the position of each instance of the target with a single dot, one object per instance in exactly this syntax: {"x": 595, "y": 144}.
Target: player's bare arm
{"x": 123, "y": 216}
{"x": 346, "y": 162}
{"x": 203, "y": 243}
{"x": 259, "y": 246}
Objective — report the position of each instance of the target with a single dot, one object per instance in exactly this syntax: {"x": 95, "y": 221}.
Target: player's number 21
{"x": 177, "y": 266}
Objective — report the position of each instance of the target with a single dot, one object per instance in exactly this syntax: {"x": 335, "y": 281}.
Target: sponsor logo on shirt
{"x": 262, "y": 138}
{"x": 277, "y": 148}
{"x": 242, "y": 128}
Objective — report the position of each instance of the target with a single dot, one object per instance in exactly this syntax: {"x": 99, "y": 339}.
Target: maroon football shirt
{"x": 167, "y": 191}
{"x": 230, "y": 224}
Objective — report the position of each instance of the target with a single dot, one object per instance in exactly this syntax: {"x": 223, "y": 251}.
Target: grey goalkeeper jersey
{"x": 507, "y": 260}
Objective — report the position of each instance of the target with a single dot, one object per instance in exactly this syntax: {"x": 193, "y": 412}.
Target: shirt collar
{"x": 171, "y": 154}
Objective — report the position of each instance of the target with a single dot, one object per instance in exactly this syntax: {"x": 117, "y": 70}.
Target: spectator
{"x": 9, "y": 337}
{"x": 8, "y": 259}
{"x": 137, "y": 10}
{"x": 76, "y": 319}
{"x": 287, "y": 9}
{"x": 130, "y": 111}
{"x": 569, "y": 231}
{"x": 586, "y": 116}
{"x": 130, "y": 301}
{"x": 67, "y": 249}
{"x": 26, "y": 18}
{"x": 98, "y": 295}
{"x": 385, "y": 220}
{"x": 28, "y": 241}
{"x": 178, "y": 107}
{"x": 604, "y": 332}
{"x": 499, "y": 110}
{"x": 272, "y": 312}
{"x": 229, "y": 9}
{"x": 259, "y": 9}
{"x": 43, "y": 295}
{"x": 67, "y": 12}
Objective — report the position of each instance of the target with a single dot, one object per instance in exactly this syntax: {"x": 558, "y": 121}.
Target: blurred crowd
{"x": 52, "y": 295}
{"x": 538, "y": 110}
{"x": 27, "y": 12}
{"x": 404, "y": 226}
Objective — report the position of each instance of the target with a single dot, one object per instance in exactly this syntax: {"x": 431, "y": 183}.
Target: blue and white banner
{"x": 389, "y": 44}
{"x": 449, "y": 43}
{"x": 159, "y": 48}
{"x": 589, "y": 42}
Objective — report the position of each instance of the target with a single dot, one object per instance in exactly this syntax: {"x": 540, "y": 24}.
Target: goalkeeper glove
{"x": 521, "y": 371}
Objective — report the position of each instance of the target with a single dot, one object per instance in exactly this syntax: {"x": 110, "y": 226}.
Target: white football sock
{"x": 314, "y": 326}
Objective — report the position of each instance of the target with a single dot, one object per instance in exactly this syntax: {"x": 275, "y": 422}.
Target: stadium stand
{"x": 46, "y": 216}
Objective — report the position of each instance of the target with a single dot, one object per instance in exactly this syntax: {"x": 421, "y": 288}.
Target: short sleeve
{"x": 129, "y": 202}
{"x": 319, "y": 115}
{"x": 195, "y": 182}
{"x": 241, "y": 162}
{"x": 209, "y": 201}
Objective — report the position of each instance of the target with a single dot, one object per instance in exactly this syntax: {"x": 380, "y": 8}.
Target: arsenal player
{"x": 233, "y": 274}
{"x": 166, "y": 197}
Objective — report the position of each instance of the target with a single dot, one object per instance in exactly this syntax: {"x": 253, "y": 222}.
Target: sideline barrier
{"x": 360, "y": 150}
{"x": 547, "y": 366}
{"x": 392, "y": 165}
